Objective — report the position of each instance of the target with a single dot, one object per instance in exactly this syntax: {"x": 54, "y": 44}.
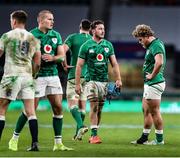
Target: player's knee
{"x": 30, "y": 112}
{"x": 57, "y": 110}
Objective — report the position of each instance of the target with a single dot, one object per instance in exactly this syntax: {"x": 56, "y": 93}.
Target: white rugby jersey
{"x": 19, "y": 47}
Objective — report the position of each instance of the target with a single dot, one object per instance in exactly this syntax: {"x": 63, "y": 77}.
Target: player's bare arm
{"x": 1, "y": 52}
{"x": 157, "y": 66}
{"x": 116, "y": 70}
{"x": 36, "y": 63}
{"x": 64, "y": 63}
{"x": 79, "y": 66}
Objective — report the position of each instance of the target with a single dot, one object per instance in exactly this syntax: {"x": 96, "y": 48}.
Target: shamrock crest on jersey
{"x": 54, "y": 40}
{"x": 47, "y": 48}
{"x": 106, "y": 49}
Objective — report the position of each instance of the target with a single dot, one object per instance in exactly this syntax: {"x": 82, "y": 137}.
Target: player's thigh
{"x": 154, "y": 106}
{"x": 145, "y": 107}
{"x": 10, "y": 87}
{"x": 3, "y": 105}
{"x": 152, "y": 95}
{"x": 72, "y": 96}
{"x": 83, "y": 96}
{"x": 36, "y": 102}
{"x": 54, "y": 86}
{"x": 40, "y": 87}
{"x": 27, "y": 88}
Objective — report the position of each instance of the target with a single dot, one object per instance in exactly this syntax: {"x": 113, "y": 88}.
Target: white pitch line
{"x": 106, "y": 126}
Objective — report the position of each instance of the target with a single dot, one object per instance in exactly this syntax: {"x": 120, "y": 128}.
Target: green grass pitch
{"x": 117, "y": 130}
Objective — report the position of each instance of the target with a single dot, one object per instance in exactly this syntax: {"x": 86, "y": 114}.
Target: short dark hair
{"x": 20, "y": 16}
{"x": 95, "y": 23}
{"x": 85, "y": 24}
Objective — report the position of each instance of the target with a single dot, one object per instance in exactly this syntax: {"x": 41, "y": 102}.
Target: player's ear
{"x": 13, "y": 22}
{"x": 39, "y": 20}
{"x": 93, "y": 31}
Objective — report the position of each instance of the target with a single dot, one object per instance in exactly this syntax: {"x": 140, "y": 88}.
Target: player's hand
{"x": 78, "y": 89}
{"x": 148, "y": 76}
{"x": 67, "y": 67}
{"x": 47, "y": 57}
{"x": 119, "y": 84}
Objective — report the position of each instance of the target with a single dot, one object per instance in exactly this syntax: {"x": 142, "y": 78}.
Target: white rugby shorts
{"x": 47, "y": 85}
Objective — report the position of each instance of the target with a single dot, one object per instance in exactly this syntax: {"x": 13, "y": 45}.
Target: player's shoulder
{"x": 35, "y": 30}
{"x": 86, "y": 45}
{"x": 105, "y": 41}
{"x": 6, "y": 34}
{"x": 157, "y": 43}
{"x": 54, "y": 33}
{"x": 72, "y": 36}
{"x": 18, "y": 31}
{"x": 88, "y": 42}
{"x": 14, "y": 31}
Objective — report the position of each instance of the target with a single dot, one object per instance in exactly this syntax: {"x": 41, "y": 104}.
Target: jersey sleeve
{"x": 38, "y": 45}
{"x": 158, "y": 49}
{"x": 111, "y": 49}
{"x": 3, "y": 40}
{"x": 82, "y": 52}
{"x": 59, "y": 39}
{"x": 68, "y": 41}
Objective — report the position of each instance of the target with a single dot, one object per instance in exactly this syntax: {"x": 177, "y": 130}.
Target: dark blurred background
{"x": 120, "y": 17}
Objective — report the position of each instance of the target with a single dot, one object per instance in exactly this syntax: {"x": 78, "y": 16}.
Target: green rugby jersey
{"x": 155, "y": 47}
{"x": 74, "y": 42}
{"x": 49, "y": 43}
{"x": 96, "y": 57}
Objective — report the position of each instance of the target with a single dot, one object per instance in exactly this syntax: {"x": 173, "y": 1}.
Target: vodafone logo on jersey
{"x": 99, "y": 57}
{"x": 47, "y": 48}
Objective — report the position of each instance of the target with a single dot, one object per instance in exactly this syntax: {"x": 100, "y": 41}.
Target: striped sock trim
{"x": 15, "y": 135}
{"x": 33, "y": 117}
{"x": 57, "y": 139}
{"x": 2, "y": 117}
{"x": 82, "y": 111}
{"x": 58, "y": 116}
{"x": 146, "y": 130}
{"x": 24, "y": 113}
{"x": 93, "y": 126}
{"x": 159, "y": 131}
{"x": 73, "y": 107}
